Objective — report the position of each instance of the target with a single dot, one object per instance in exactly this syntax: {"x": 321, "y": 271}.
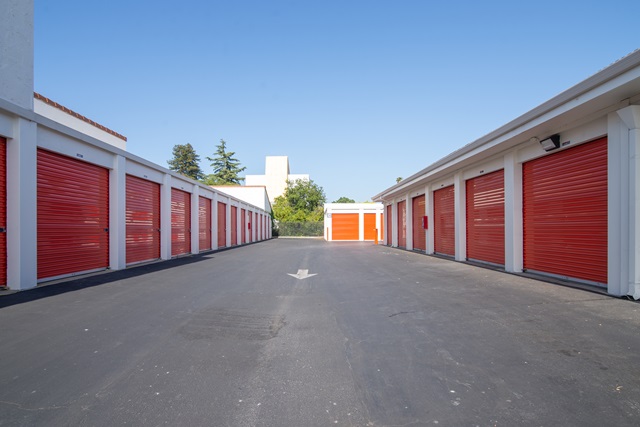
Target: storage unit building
{"x": 73, "y": 201}
{"x": 553, "y": 193}
{"x": 353, "y": 221}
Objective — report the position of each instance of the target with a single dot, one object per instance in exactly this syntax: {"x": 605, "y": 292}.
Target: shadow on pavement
{"x": 72, "y": 284}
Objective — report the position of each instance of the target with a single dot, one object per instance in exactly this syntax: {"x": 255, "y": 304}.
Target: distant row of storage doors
{"x": 564, "y": 211}
{"x": 73, "y": 218}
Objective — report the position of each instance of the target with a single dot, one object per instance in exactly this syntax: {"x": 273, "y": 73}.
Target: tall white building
{"x": 275, "y": 177}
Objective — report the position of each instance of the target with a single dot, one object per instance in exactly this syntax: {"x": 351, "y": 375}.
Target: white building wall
{"x": 16, "y": 52}
{"x": 351, "y": 208}
{"x": 275, "y": 177}
{"x": 59, "y": 116}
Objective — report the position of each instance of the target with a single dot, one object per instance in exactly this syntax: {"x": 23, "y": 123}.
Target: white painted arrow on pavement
{"x": 302, "y": 274}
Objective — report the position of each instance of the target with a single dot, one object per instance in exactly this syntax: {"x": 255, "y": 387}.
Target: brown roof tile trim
{"x": 77, "y": 116}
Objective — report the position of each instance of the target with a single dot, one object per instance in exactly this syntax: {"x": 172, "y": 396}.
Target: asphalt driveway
{"x": 373, "y": 337}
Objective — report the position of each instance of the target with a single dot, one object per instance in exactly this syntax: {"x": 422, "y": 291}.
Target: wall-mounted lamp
{"x": 551, "y": 143}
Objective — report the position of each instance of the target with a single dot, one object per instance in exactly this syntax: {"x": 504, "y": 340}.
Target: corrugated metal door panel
{"x": 419, "y": 235}
{"x": 255, "y": 227}
{"x": 345, "y": 226}
{"x": 565, "y": 213}
{"x": 243, "y": 226}
{"x": 222, "y": 225}
{"x": 402, "y": 224}
{"x": 389, "y": 226}
{"x": 73, "y": 216}
{"x": 142, "y": 220}
{"x": 370, "y": 226}
{"x": 382, "y": 229}
{"x": 485, "y": 218}
{"x": 3, "y": 212}
{"x": 204, "y": 223}
{"x": 234, "y": 226}
{"x": 444, "y": 221}
{"x": 180, "y": 222}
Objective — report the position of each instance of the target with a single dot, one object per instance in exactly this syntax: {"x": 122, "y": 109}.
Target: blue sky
{"x": 356, "y": 93}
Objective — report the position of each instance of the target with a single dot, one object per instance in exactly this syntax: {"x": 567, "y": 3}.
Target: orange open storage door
{"x": 370, "y": 231}
{"x": 444, "y": 221}
{"x": 180, "y": 222}
{"x": 565, "y": 213}
{"x": 485, "y": 218}
{"x": 73, "y": 216}
{"x": 142, "y": 220}
{"x": 345, "y": 226}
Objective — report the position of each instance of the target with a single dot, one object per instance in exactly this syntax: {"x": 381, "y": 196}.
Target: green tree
{"x": 226, "y": 168}
{"x": 302, "y": 201}
{"x": 344, "y": 200}
{"x": 186, "y": 162}
{"x": 398, "y": 179}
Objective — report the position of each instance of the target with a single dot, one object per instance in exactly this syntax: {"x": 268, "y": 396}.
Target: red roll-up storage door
{"x": 419, "y": 234}
{"x": 565, "y": 213}
{"x": 382, "y": 229}
{"x": 444, "y": 221}
{"x": 180, "y": 222}
{"x": 222, "y": 225}
{"x": 402, "y": 224}
{"x": 142, "y": 220}
{"x": 243, "y": 226}
{"x": 485, "y": 218}
{"x": 389, "y": 226}
{"x": 255, "y": 227}
{"x": 234, "y": 225}
{"x": 73, "y": 216}
{"x": 370, "y": 226}
{"x": 345, "y": 226}
{"x": 204, "y": 223}
{"x": 3, "y": 212}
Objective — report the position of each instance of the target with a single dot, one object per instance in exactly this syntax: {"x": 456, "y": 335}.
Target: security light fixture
{"x": 551, "y": 143}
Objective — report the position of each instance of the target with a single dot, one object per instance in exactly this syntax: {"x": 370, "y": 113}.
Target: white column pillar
{"x": 394, "y": 224}
{"x": 409, "y": 219}
{"x": 214, "y": 221}
{"x": 428, "y": 208}
{"x": 22, "y": 185}
{"x": 513, "y": 240}
{"x": 228, "y": 225}
{"x": 117, "y": 214}
{"x": 460, "y": 214}
{"x": 165, "y": 217}
{"x": 631, "y": 154}
{"x": 195, "y": 220}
